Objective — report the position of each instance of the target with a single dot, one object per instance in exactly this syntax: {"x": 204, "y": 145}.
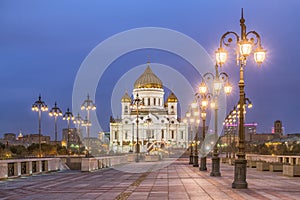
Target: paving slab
{"x": 168, "y": 179}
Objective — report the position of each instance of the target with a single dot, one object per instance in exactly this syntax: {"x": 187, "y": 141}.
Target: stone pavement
{"x": 169, "y": 179}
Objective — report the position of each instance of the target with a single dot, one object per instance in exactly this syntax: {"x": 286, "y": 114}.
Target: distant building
{"x": 26, "y": 140}
{"x": 262, "y": 137}
{"x": 94, "y": 144}
{"x": 231, "y": 133}
{"x": 104, "y": 138}
{"x": 10, "y": 136}
{"x": 158, "y": 122}
{"x": 72, "y": 136}
{"x": 278, "y": 128}
{"x": 293, "y": 135}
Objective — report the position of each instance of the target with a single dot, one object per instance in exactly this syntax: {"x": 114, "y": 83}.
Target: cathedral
{"x": 148, "y": 119}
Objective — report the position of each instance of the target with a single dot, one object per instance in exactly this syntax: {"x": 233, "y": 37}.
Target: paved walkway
{"x": 164, "y": 180}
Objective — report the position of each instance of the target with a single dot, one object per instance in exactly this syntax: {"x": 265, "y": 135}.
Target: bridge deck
{"x": 164, "y": 180}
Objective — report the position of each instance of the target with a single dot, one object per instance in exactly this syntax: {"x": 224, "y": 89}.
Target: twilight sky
{"x": 44, "y": 42}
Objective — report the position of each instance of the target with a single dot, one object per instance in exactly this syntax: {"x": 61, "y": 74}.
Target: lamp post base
{"x": 195, "y": 163}
{"x": 137, "y": 151}
{"x": 191, "y": 160}
{"x": 203, "y": 164}
{"x": 137, "y": 159}
{"x": 240, "y": 168}
{"x": 215, "y": 171}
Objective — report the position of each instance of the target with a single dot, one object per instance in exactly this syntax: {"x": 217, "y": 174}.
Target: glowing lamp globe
{"x": 221, "y": 56}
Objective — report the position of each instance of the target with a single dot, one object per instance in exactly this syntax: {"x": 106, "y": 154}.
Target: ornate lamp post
{"x": 132, "y": 139}
{"x": 196, "y": 121}
{"x": 205, "y": 97}
{"x": 219, "y": 80}
{"x": 137, "y": 104}
{"x": 55, "y": 112}
{"x": 78, "y": 122}
{"x": 244, "y": 49}
{"x": 147, "y": 123}
{"x": 234, "y": 114}
{"x": 88, "y": 105}
{"x": 87, "y": 123}
{"x": 68, "y": 116}
{"x": 39, "y": 106}
{"x": 190, "y": 120}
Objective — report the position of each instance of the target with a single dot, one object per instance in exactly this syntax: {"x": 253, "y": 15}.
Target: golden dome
{"x": 148, "y": 80}
{"x": 172, "y": 98}
{"x": 126, "y": 98}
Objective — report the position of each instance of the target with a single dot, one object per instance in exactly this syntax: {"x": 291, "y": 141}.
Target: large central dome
{"x": 148, "y": 80}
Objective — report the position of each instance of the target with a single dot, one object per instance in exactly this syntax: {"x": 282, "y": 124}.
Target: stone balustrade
{"x": 26, "y": 167}
{"x": 262, "y": 166}
{"x": 292, "y": 160}
{"x": 289, "y": 165}
{"x": 267, "y": 158}
{"x": 95, "y": 163}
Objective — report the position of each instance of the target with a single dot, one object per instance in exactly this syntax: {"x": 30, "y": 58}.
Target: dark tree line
{"x": 20, "y": 151}
{"x": 279, "y": 149}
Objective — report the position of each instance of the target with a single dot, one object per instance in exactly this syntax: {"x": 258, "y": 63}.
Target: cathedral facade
{"x": 147, "y": 118}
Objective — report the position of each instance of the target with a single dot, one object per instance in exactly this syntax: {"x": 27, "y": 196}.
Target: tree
{"x": 2, "y": 146}
{"x": 33, "y": 149}
{"x": 49, "y": 149}
{"x": 18, "y": 150}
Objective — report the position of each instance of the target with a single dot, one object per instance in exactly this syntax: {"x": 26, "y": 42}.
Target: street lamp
{"x": 196, "y": 120}
{"x": 68, "y": 116}
{"x": 137, "y": 104}
{"x": 147, "y": 123}
{"x": 203, "y": 97}
{"x": 88, "y": 105}
{"x": 87, "y": 123}
{"x": 189, "y": 121}
{"x": 233, "y": 116}
{"x": 55, "y": 112}
{"x": 78, "y": 122}
{"x": 243, "y": 50}
{"x": 39, "y": 106}
{"x": 220, "y": 80}
{"x": 132, "y": 139}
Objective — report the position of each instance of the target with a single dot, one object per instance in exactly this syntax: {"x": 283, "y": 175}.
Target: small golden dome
{"x": 172, "y": 98}
{"x": 148, "y": 80}
{"x": 126, "y": 98}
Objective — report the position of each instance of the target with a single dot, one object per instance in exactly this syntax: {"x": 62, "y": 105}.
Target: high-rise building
{"x": 73, "y": 138}
{"x": 278, "y": 127}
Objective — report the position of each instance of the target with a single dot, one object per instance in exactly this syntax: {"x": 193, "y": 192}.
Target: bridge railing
{"x": 291, "y": 159}
{"x": 95, "y": 163}
{"x": 289, "y": 165}
{"x": 25, "y": 167}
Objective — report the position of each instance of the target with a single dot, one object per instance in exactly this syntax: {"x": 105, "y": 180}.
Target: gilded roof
{"x": 148, "y": 80}
{"x": 172, "y": 98}
{"x": 126, "y": 98}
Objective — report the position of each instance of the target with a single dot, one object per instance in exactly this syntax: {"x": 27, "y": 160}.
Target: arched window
{"x": 126, "y": 109}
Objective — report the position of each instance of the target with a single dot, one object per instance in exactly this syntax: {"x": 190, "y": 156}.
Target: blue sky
{"x": 43, "y": 43}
